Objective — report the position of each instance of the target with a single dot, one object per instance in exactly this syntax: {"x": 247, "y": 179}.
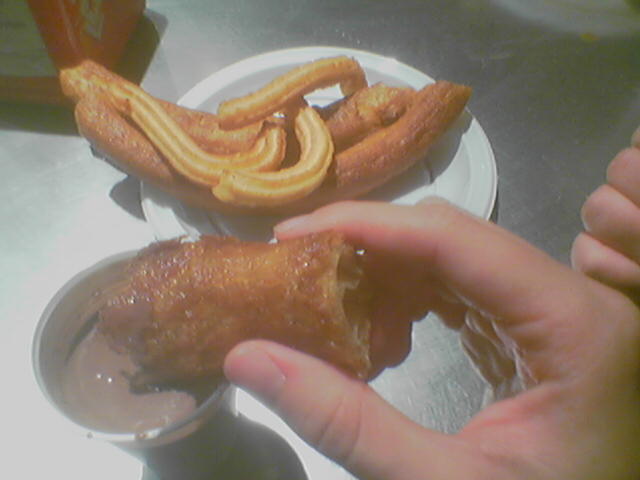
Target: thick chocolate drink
{"x": 96, "y": 391}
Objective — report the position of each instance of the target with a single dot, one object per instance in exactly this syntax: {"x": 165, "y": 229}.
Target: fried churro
{"x": 178, "y": 148}
{"x": 391, "y": 150}
{"x": 289, "y": 87}
{"x": 130, "y": 150}
{"x": 337, "y": 152}
{"x": 365, "y": 111}
{"x": 289, "y": 184}
{"x": 90, "y": 79}
{"x": 182, "y": 306}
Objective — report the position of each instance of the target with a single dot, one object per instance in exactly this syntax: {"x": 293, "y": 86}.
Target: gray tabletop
{"x": 556, "y": 91}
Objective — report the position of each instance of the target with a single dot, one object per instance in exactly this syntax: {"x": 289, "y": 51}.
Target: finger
{"x": 390, "y": 341}
{"x": 593, "y": 258}
{"x": 341, "y": 417}
{"x": 467, "y": 254}
{"x": 494, "y": 362}
{"x": 488, "y": 268}
{"x": 623, "y": 173}
{"x": 613, "y": 220}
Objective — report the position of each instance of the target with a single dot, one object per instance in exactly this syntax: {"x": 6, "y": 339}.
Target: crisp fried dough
{"x": 90, "y": 79}
{"x": 266, "y": 155}
{"x": 289, "y": 184}
{"x": 178, "y": 148}
{"x": 391, "y": 150}
{"x": 289, "y": 87}
{"x": 205, "y": 130}
{"x": 190, "y": 160}
{"x": 108, "y": 132}
{"x": 365, "y": 111}
{"x": 398, "y": 125}
{"x": 183, "y": 305}
{"x": 129, "y": 150}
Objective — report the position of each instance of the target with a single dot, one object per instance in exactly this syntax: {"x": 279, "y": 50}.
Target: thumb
{"x": 343, "y": 418}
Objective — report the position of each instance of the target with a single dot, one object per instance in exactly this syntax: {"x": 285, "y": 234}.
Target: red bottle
{"x": 38, "y": 37}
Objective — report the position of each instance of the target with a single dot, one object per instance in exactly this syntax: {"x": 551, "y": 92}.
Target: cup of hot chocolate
{"x": 181, "y": 432}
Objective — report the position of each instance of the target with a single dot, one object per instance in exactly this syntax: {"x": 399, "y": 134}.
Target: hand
{"x": 609, "y": 249}
{"x": 573, "y": 342}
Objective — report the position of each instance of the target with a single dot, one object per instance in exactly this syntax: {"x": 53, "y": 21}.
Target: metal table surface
{"x": 557, "y": 94}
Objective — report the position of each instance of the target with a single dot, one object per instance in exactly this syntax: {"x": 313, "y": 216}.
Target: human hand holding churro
{"x": 560, "y": 350}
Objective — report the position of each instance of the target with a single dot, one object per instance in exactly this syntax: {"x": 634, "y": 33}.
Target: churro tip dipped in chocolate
{"x": 182, "y": 306}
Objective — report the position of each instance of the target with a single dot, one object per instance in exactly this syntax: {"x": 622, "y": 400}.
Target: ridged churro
{"x": 130, "y": 151}
{"x": 289, "y": 87}
{"x": 205, "y": 130}
{"x": 178, "y": 148}
{"x": 92, "y": 79}
{"x": 289, "y": 184}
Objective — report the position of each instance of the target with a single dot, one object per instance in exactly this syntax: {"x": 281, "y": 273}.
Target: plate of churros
{"x": 283, "y": 133}
{"x": 459, "y": 166}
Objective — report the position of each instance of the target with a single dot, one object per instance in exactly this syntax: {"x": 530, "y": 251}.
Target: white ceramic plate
{"x": 460, "y": 168}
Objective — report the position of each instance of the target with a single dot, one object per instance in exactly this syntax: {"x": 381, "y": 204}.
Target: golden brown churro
{"x": 129, "y": 150}
{"x": 182, "y": 306}
{"x": 178, "y": 148}
{"x": 391, "y": 150}
{"x": 337, "y": 152}
{"x": 365, "y": 111}
{"x": 205, "y": 130}
{"x": 92, "y": 79}
{"x": 289, "y": 184}
{"x": 291, "y": 86}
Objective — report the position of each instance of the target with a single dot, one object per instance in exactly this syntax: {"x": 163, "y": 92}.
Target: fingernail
{"x": 249, "y": 366}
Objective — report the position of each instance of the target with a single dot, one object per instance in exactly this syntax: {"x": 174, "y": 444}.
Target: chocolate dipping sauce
{"x": 95, "y": 390}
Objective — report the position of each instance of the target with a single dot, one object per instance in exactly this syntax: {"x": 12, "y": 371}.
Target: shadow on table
{"x": 258, "y": 454}
{"x": 126, "y": 194}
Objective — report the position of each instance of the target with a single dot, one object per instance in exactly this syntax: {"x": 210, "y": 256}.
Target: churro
{"x": 367, "y": 110}
{"x": 178, "y": 148}
{"x": 129, "y": 150}
{"x": 391, "y": 150}
{"x": 290, "y": 86}
{"x": 181, "y": 306}
{"x": 205, "y": 130}
{"x": 89, "y": 79}
{"x": 289, "y": 184}
{"x": 332, "y": 153}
